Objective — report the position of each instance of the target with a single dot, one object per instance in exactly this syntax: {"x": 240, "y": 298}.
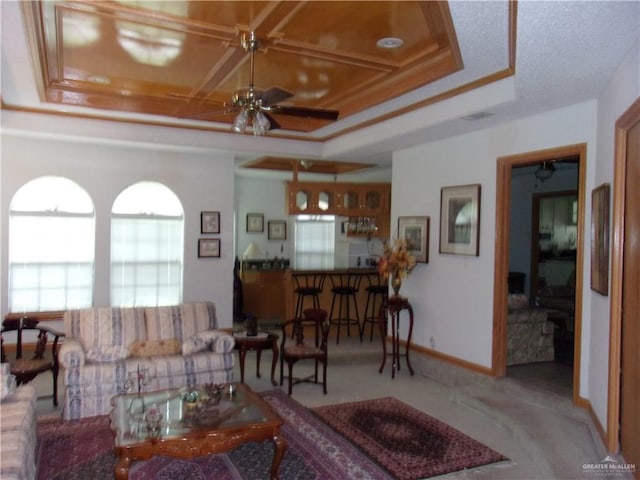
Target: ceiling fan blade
{"x": 306, "y": 112}
{"x": 274, "y": 123}
{"x": 274, "y": 95}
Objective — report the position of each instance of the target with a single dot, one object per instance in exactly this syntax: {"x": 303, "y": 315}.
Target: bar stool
{"x": 345, "y": 287}
{"x": 377, "y": 294}
{"x": 307, "y": 285}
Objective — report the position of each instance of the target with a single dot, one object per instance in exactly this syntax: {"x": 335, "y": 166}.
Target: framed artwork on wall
{"x": 600, "y": 239}
{"x": 208, "y": 247}
{"x": 415, "y": 231}
{"x": 460, "y": 220}
{"x": 255, "y": 222}
{"x": 277, "y": 229}
{"x": 209, "y": 222}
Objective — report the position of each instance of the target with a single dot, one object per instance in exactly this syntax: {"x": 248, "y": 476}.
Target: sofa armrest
{"x": 223, "y": 342}
{"x": 71, "y": 354}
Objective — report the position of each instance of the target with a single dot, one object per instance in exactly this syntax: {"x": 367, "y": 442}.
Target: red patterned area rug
{"x": 410, "y": 444}
{"x": 83, "y": 450}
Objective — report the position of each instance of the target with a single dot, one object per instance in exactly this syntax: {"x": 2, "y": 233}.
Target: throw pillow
{"x": 199, "y": 342}
{"x": 154, "y": 348}
{"x": 109, "y": 353}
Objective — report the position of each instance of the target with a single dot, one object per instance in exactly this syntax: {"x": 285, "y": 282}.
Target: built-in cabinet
{"x": 311, "y": 198}
{"x": 263, "y": 293}
{"x": 358, "y": 201}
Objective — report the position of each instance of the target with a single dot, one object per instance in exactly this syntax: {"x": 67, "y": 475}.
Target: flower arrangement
{"x": 396, "y": 261}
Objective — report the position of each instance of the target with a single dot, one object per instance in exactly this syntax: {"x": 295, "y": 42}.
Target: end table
{"x": 259, "y": 342}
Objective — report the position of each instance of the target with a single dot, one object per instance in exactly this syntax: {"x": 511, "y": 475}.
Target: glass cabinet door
{"x": 351, "y": 200}
{"x": 372, "y": 200}
{"x": 325, "y": 200}
{"x": 302, "y": 200}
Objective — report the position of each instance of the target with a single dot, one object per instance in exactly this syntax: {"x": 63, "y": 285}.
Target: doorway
{"x": 542, "y": 252}
{"x": 505, "y": 183}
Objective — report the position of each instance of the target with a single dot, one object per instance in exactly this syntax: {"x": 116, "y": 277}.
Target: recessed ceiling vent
{"x": 478, "y": 116}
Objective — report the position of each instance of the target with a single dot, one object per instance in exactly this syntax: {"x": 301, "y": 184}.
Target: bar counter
{"x": 362, "y": 275}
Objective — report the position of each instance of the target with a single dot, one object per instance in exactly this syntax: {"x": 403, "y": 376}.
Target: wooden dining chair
{"x": 26, "y": 369}
{"x": 294, "y": 347}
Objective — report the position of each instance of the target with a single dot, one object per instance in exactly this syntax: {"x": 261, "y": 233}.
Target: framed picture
{"x": 600, "y": 239}
{"x": 460, "y": 220}
{"x": 415, "y": 230}
{"x": 255, "y": 222}
{"x": 209, "y": 222}
{"x": 277, "y": 229}
{"x": 208, "y": 247}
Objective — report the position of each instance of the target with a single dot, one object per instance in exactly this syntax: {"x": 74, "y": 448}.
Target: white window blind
{"x": 147, "y": 228}
{"x": 314, "y": 239}
{"x": 51, "y": 246}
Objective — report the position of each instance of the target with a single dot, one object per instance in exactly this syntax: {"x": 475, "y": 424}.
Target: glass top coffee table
{"x": 165, "y": 422}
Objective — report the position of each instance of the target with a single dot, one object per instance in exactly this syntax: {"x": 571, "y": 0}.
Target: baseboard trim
{"x": 458, "y": 362}
{"x": 597, "y": 428}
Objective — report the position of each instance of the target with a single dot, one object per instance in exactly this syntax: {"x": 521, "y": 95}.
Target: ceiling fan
{"x": 256, "y": 105}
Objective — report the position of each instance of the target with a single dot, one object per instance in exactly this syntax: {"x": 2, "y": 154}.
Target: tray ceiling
{"x": 185, "y": 59}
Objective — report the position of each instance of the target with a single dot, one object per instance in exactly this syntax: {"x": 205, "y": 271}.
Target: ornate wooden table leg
{"x": 395, "y": 321}
{"x": 383, "y": 335}
{"x": 122, "y": 468}
{"x": 243, "y": 355}
{"x": 258, "y": 356}
{"x": 410, "y": 309}
{"x": 281, "y": 446}
{"x": 274, "y": 361}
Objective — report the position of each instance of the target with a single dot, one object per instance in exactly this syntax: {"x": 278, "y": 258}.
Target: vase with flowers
{"x": 396, "y": 262}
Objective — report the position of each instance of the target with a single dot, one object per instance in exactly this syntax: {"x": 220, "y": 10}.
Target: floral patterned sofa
{"x": 107, "y": 349}
{"x": 529, "y": 335}
{"x": 18, "y": 434}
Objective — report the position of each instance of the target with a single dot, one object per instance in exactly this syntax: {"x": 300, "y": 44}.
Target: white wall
{"x": 265, "y": 196}
{"x": 622, "y": 90}
{"x": 202, "y": 182}
{"x": 453, "y": 295}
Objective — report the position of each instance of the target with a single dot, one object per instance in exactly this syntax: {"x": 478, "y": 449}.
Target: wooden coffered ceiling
{"x": 327, "y": 167}
{"x": 184, "y": 59}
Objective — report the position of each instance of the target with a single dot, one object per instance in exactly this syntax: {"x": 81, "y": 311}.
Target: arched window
{"x": 51, "y": 246}
{"x": 147, "y": 225}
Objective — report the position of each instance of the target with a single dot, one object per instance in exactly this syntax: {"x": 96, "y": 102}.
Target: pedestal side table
{"x": 392, "y": 308}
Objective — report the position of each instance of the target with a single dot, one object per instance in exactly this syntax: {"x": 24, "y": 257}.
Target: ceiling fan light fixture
{"x": 261, "y": 123}
{"x": 240, "y": 122}
{"x": 545, "y": 171}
